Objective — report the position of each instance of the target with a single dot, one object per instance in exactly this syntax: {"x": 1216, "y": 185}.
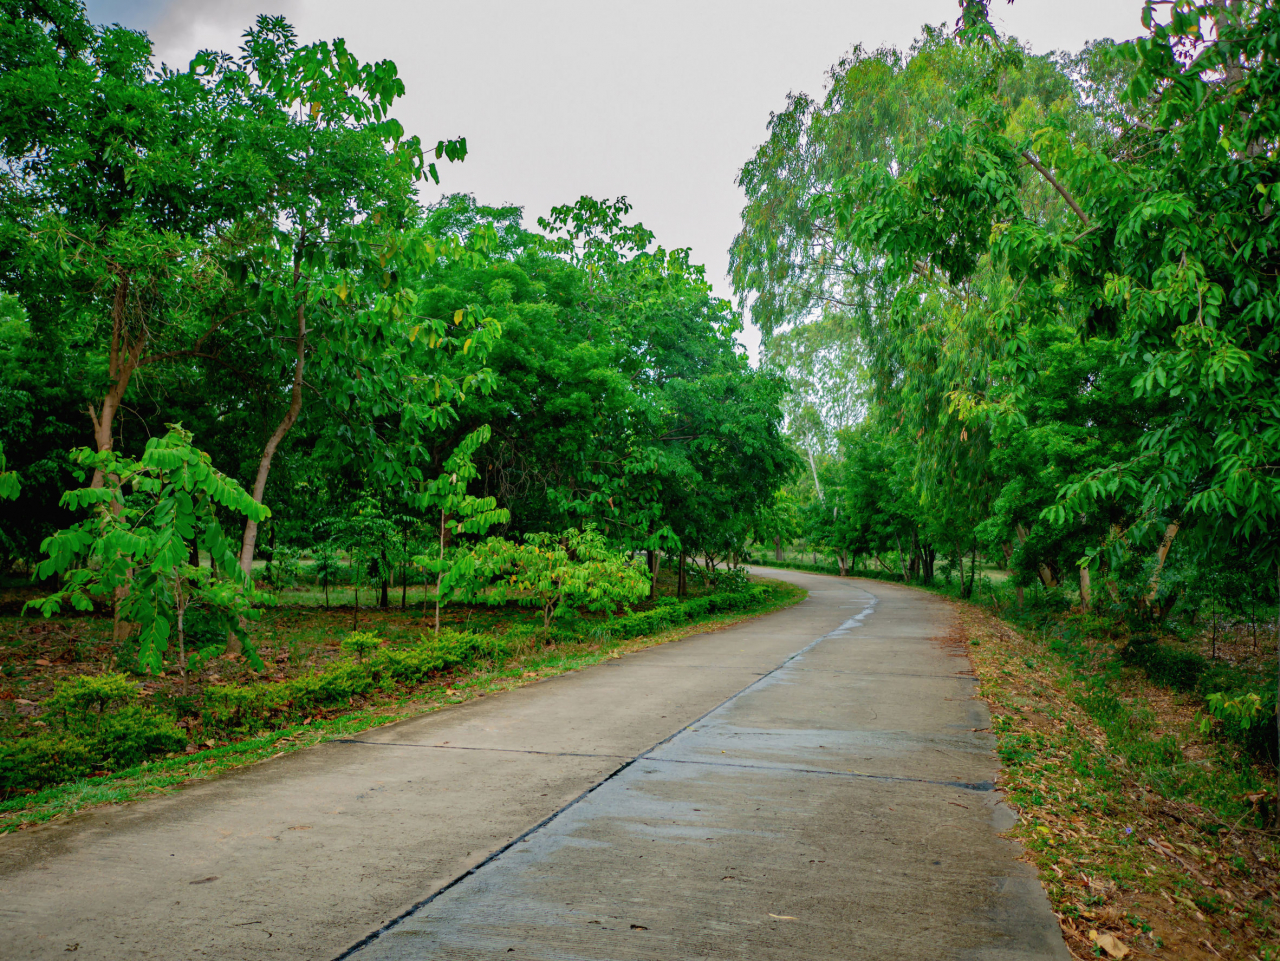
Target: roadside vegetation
{"x": 79, "y": 727}
{"x": 261, "y": 384}
{"x": 1027, "y": 305}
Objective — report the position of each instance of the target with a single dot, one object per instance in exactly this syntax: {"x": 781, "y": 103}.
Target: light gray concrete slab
{"x": 829, "y": 787}
{"x": 841, "y": 805}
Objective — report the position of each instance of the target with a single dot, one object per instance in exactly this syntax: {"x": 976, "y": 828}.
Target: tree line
{"x": 226, "y": 286}
{"x": 1028, "y": 303}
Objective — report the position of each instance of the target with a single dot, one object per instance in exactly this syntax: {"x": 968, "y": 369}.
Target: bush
{"x": 33, "y": 762}
{"x": 1186, "y": 670}
{"x": 361, "y": 643}
{"x": 90, "y": 740}
{"x": 1170, "y": 666}
{"x": 243, "y": 709}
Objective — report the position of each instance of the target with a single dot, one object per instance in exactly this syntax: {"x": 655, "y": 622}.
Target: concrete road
{"x": 812, "y": 784}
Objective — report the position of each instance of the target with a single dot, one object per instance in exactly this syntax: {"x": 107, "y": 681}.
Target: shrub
{"x": 33, "y": 762}
{"x": 242, "y": 709}
{"x": 77, "y": 698}
{"x": 93, "y": 737}
{"x": 1164, "y": 664}
{"x": 361, "y": 643}
{"x": 128, "y": 737}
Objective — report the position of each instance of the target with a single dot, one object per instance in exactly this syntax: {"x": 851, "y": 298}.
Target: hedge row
{"x": 247, "y": 708}
{"x": 98, "y": 726}
{"x": 122, "y": 739}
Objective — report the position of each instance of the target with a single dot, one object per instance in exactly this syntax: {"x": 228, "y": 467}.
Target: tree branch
{"x": 1044, "y": 172}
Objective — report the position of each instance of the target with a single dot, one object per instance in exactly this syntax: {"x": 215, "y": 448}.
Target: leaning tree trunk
{"x": 269, "y": 452}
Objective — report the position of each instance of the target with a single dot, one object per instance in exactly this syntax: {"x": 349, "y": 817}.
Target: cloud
{"x": 180, "y": 28}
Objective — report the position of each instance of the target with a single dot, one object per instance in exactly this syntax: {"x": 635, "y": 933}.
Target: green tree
{"x": 133, "y": 549}
{"x": 460, "y": 513}
{"x": 559, "y": 572}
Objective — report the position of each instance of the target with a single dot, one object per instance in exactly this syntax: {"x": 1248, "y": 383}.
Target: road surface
{"x": 817, "y": 783}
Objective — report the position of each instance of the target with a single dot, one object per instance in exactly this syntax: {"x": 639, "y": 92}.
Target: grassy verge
{"x": 168, "y": 774}
{"x": 1147, "y": 835}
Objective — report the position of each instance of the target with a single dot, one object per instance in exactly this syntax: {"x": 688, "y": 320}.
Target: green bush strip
{"x": 268, "y": 719}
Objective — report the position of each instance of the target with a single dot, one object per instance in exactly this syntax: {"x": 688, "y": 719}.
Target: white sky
{"x": 659, "y": 101}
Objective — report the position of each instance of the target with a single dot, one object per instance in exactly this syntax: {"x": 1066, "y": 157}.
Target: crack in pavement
{"x": 964, "y": 785}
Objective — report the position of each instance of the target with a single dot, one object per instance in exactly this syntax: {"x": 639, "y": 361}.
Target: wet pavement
{"x": 817, "y": 783}
{"x": 839, "y": 806}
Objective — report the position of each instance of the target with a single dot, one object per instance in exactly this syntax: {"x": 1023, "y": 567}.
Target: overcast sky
{"x": 659, "y": 101}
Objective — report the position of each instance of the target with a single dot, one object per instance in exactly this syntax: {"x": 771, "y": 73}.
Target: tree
{"x": 558, "y": 572}
{"x": 133, "y": 549}
{"x": 460, "y": 513}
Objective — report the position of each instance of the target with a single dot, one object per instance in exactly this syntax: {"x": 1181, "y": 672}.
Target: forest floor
{"x": 1144, "y": 849}
{"x": 292, "y": 639}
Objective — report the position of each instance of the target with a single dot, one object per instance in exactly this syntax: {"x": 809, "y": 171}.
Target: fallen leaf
{"x": 783, "y": 917}
{"x": 43, "y": 662}
{"x": 638, "y": 927}
{"x": 212, "y": 877}
{"x": 1109, "y": 943}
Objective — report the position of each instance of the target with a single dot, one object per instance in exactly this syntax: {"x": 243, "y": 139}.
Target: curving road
{"x": 812, "y": 784}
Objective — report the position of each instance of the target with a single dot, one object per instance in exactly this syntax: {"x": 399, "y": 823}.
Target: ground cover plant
{"x": 1150, "y": 836}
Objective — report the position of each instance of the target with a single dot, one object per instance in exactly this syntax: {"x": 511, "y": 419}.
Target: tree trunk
{"x": 777, "y": 548}
{"x": 385, "y": 601}
{"x": 1086, "y": 599}
{"x": 273, "y": 442}
{"x": 816, "y": 485}
{"x": 1161, "y": 553}
{"x": 682, "y": 586}
{"x": 404, "y": 574}
{"x": 655, "y": 562}
{"x": 440, "y": 573}
{"x": 973, "y": 569}
{"x": 356, "y": 558}
{"x": 843, "y": 559}
{"x": 123, "y": 361}
{"x": 181, "y": 604}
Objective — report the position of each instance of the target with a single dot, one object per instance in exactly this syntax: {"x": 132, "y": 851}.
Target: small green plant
{"x": 560, "y": 572}
{"x": 361, "y": 644}
{"x": 460, "y": 513}
{"x": 1243, "y": 710}
{"x": 133, "y": 549}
